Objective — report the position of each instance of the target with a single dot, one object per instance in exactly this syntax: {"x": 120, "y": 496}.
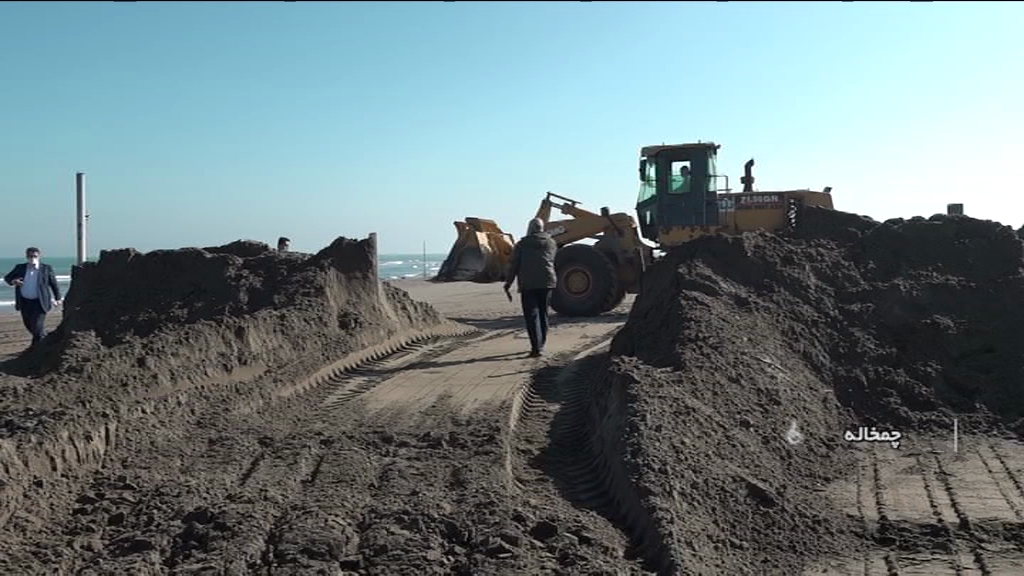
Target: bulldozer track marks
{"x": 964, "y": 521}
{"x": 375, "y": 354}
{"x": 1013, "y": 476}
{"x": 85, "y": 448}
{"x": 969, "y": 505}
{"x": 1006, "y": 494}
{"x": 361, "y": 372}
{"x": 343, "y": 386}
{"x": 355, "y": 375}
{"x": 936, "y": 510}
{"x": 879, "y": 495}
{"x": 588, "y": 473}
{"x": 350, "y": 384}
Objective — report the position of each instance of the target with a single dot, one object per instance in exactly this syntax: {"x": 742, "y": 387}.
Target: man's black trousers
{"x": 34, "y": 317}
{"x": 535, "y": 312}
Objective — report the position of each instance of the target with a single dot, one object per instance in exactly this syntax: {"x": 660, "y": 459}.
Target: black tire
{"x": 617, "y": 299}
{"x": 587, "y": 282}
{"x": 611, "y": 247}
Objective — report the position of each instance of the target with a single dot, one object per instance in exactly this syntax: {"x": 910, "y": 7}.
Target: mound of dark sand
{"x": 850, "y": 322}
{"x": 169, "y": 317}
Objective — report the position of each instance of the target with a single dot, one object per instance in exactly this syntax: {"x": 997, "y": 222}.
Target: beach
{"x": 227, "y": 421}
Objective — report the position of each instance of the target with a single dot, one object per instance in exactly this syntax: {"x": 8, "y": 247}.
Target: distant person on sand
{"x": 533, "y": 263}
{"x": 283, "y": 244}
{"x": 33, "y": 282}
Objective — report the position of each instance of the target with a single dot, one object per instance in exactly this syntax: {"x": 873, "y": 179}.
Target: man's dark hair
{"x": 32, "y": 249}
{"x": 283, "y": 239}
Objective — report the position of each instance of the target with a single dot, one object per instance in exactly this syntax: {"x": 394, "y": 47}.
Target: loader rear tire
{"x": 588, "y": 284}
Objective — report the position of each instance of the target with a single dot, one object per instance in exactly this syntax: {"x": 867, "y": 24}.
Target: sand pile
{"x": 737, "y": 342}
{"x": 148, "y": 325}
{"x": 178, "y": 315}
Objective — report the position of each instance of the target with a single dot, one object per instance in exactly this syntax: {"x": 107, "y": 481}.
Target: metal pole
{"x": 80, "y": 194}
{"x": 376, "y": 256}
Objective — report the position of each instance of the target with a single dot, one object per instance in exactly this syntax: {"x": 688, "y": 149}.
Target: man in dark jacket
{"x": 533, "y": 263}
{"x": 33, "y": 283}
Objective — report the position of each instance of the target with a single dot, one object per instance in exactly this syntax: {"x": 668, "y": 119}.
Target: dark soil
{"x": 851, "y": 322}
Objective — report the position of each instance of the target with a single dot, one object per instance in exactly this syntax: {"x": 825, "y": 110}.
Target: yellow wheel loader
{"x": 682, "y": 197}
{"x": 591, "y": 279}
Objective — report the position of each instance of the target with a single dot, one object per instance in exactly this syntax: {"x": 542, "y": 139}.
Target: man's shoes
{"x": 535, "y": 354}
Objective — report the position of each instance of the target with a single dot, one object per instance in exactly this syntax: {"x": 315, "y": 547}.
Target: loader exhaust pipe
{"x": 748, "y": 178}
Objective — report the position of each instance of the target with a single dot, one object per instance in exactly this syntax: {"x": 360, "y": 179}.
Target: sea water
{"x": 392, "y": 267}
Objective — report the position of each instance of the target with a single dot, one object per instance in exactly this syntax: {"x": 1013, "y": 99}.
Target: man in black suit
{"x": 33, "y": 283}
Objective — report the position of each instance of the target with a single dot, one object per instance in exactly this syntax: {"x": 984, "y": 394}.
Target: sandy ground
{"x": 416, "y": 458}
{"x": 441, "y": 448}
{"x": 13, "y": 336}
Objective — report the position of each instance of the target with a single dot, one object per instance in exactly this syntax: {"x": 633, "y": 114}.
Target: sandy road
{"x": 485, "y": 371}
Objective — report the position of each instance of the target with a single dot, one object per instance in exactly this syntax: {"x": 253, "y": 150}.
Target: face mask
{"x": 33, "y": 260}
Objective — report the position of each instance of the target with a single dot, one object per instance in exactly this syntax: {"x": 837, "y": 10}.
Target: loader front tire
{"x": 588, "y": 284}
{"x": 617, "y": 299}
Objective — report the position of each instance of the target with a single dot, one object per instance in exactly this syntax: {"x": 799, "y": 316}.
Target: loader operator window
{"x": 681, "y": 177}
{"x": 712, "y": 179}
{"x": 649, "y": 187}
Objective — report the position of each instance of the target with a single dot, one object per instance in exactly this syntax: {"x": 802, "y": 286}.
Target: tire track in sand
{"x": 940, "y": 520}
{"x": 358, "y": 373}
{"x": 581, "y": 456}
{"x": 994, "y": 474}
{"x": 965, "y": 525}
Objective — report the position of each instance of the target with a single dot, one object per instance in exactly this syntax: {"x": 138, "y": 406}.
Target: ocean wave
{"x": 60, "y": 278}
{"x": 4, "y": 303}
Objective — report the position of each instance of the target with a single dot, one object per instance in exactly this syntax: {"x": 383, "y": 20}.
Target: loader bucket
{"x": 481, "y": 253}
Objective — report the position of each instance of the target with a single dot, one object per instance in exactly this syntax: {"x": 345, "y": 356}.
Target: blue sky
{"x": 201, "y": 123}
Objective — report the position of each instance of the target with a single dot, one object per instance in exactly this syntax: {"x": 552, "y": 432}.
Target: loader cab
{"x": 678, "y": 187}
